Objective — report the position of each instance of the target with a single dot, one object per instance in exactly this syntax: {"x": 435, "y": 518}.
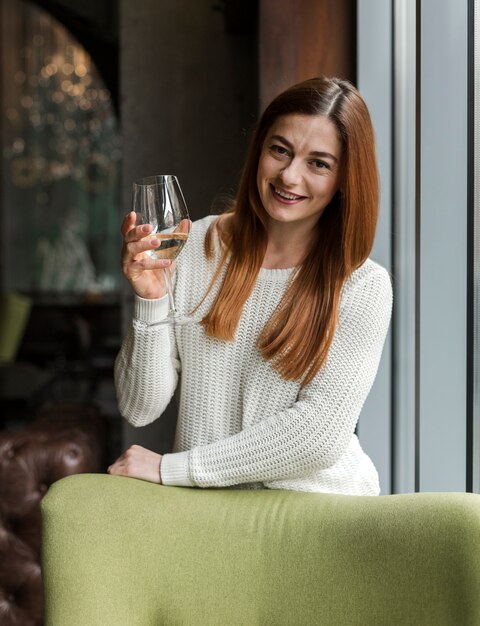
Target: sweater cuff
{"x": 149, "y": 311}
{"x": 174, "y": 470}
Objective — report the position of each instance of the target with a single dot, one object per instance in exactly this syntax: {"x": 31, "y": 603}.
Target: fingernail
{"x": 154, "y": 242}
{"x": 145, "y": 228}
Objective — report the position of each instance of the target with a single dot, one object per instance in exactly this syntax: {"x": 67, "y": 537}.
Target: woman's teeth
{"x": 287, "y": 196}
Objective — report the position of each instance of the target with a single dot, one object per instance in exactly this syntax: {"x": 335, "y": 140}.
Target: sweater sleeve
{"x": 315, "y": 432}
{"x": 147, "y": 366}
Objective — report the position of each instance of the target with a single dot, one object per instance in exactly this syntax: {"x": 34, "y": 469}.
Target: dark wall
{"x": 188, "y": 85}
{"x": 188, "y": 95}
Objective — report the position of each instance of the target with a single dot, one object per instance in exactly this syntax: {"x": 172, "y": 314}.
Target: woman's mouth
{"x": 286, "y": 197}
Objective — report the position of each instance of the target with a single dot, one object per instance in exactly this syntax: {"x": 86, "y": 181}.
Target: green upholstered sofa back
{"x": 122, "y": 552}
{"x": 14, "y": 313}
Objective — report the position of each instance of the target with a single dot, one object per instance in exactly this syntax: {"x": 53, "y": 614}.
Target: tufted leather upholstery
{"x": 61, "y": 442}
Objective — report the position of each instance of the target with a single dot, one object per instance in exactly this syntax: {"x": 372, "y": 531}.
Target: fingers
{"x": 135, "y": 233}
{"x": 137, "y": 240}
{"x": 133, "y": 253}
{"x": 131, "y": 232}
{"x": 145, "y": 282}
{"x": 135, "y": 246}
{"x": 184, "y": 226}
{"x": 128, "y": 222}
{"x": 138, "y": 462}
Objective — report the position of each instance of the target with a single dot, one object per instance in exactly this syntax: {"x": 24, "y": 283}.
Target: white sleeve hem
{"x": 150, "y": 310}
{"x": 174, "y": 470}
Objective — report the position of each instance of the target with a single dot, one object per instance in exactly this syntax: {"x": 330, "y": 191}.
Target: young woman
{"x": 293, "y": 313}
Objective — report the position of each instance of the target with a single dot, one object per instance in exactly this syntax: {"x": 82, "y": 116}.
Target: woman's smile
{"x": 286, "y": 197}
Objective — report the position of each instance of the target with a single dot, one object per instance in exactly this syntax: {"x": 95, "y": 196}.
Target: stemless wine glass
{"x": 158, "y": 201}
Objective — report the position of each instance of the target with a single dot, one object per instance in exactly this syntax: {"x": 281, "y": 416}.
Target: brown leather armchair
{"x": 61, "y": 442}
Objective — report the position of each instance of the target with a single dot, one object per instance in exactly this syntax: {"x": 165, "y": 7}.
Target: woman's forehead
{"x": 315, "y": 132}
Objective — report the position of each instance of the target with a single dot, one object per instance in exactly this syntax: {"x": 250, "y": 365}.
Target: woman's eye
{"x": 280, "y": 150}
{"x": 319, "y": 164}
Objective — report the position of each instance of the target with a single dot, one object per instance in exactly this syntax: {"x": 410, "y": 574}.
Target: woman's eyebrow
{"x": 324, "y": 155}
{"x": 282, "y": 139}
{"x": 316, "y": 153}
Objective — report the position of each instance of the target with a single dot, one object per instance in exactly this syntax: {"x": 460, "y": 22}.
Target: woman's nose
{"x": 291, "y": 174}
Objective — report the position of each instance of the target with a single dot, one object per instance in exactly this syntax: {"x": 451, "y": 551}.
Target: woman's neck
{"x": 287, "y": 246}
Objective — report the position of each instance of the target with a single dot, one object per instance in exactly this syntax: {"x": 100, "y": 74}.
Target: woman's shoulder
{"x": 203, "y": 236}
{"x": 198, "y": 232}
{"x": 200, "y": 226}
{"x": 370, "y": 282}
{"x": 215, "y": 227}
{"x": 369, "y": 271}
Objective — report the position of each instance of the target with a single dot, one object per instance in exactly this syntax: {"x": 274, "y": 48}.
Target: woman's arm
{"x": 315, "y": 432}
{"x": 147, "y": 366}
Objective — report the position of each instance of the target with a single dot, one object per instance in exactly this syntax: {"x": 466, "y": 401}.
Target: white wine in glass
{"x": 158, "y": 201}
{"x": 171, "y": 244}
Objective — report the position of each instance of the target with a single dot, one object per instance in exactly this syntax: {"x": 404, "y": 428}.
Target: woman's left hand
{"x": 138, "y": 462}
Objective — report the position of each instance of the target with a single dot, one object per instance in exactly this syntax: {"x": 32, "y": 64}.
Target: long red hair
{"x": 298, "y": 336}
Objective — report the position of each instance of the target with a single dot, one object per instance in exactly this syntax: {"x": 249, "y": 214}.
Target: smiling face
{"x": 299, "y": 168}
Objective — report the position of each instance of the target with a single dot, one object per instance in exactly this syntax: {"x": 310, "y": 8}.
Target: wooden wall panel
{"x": 304, "y": 38}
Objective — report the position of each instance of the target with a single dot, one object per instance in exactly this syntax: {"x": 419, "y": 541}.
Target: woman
{"x": 293, "y": 313}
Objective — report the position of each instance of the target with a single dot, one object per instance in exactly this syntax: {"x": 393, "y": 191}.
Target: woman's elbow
{"x": 137, "y": 416}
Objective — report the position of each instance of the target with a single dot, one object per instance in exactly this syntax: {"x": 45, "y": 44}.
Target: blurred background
{"x": 98, "y": 93}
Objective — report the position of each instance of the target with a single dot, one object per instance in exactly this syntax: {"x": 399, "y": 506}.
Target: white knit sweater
{"x": 239, "y": 422}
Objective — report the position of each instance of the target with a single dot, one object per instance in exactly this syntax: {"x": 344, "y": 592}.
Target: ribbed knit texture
{"x": 239, "y": 422}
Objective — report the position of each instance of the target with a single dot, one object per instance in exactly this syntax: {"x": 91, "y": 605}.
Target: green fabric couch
{"x": 122, "y": 552}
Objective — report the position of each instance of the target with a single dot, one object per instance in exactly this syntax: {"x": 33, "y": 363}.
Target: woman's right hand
{"x": 144, "y": 273}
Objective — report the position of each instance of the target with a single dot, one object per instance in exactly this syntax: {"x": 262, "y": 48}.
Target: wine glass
{"x": 158, "y": 201}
